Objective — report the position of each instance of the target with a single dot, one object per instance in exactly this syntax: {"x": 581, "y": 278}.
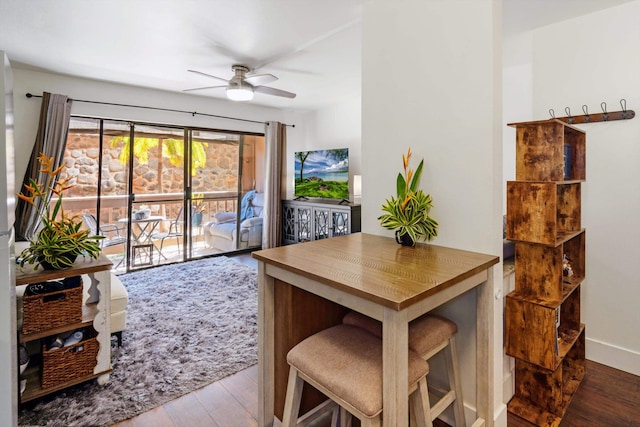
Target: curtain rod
{"x": 193, "y": 113}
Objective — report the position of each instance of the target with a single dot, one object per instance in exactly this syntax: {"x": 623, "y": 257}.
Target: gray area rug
{"x": 188, "y": 325}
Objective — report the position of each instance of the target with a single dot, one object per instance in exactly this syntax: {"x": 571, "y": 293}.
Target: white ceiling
{"x": 526, "y": 15}
{"x": 312, "y": 46}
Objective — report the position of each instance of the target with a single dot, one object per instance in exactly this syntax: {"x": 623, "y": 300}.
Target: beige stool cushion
{"x": 425, "y": 333}
{"x": 348, "y": 361}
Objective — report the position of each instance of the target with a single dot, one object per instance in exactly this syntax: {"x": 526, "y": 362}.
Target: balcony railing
{"x": 113, "y": 209}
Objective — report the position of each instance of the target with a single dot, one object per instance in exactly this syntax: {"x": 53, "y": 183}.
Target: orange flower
{"x": 45, "y": 163}
{"x": 31, "y": 188}
{"x": 406, "y": 159}
{"x": 46, "y": 190}
{"x": 25, "y": 198}
{"x": 57, "y": 171}
{"x": 59, "y": 234}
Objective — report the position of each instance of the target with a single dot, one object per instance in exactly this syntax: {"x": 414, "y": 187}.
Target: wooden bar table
{"x": 308, "y": 287}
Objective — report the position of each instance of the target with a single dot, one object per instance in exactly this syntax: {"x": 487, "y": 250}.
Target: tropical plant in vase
{"x": 60, "y": 239}
{"x": 199, "y": 208}
{"x": 408, "y": 213}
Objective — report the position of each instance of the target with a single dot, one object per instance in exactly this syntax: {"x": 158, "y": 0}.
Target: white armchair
{"x": 221, "y": 232}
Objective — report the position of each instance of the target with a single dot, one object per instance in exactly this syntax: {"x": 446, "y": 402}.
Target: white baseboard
{"x": 508, "y": 388}
{"x": 500, "y": 416}
{"x": 614, "y": 356}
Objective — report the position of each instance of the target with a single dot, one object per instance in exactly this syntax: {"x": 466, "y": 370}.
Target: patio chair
{"x": 111, "y": 232}
{"x": 176, "y": 230}
{"x": 221, "y": 233}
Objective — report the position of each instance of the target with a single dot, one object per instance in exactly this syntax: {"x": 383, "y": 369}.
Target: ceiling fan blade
{"x": 273, "y": 91}
{"x": 260, "y": 79}
{"x": 202, "y": 88}
{"x": 208, "y": 75}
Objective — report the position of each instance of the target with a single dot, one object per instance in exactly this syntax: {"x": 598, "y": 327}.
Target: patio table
{"x": 141, "y": 233}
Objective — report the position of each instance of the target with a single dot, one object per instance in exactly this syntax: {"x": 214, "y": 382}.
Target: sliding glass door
{"x": 100, "y": 191}
{"x": 160, "y": 195}
{"x": 214, "y": 177}
{"x": 157, "y": 193}
{"x": 220, "y": 178}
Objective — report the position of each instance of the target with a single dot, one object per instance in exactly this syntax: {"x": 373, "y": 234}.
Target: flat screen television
{"x": 322, "y": 174}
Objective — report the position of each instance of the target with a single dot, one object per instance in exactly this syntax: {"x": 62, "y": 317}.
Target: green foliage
{"x": 302, "y": 156}
{"x": 328, "y": 189}
{"x": 172, "y": 149}
{"x": 409, "y": 212}
{"x": 413, "y": 220}
{"x": 338, "y": 153}
{"x": 59, "y": 243}
{"x": 198, "y": 156}
{"x": 401, "y": 183}
{"x": 60, "y": 239}
{"x": 198, "y": 202}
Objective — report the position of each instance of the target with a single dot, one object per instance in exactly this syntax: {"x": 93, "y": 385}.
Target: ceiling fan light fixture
{"x": 241, "y": 93}
{"x": 242, "y": 87}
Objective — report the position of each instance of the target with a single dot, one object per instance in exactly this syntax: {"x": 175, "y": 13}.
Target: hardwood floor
{"x": 246, "y": 259}
{"x": 232, "y": 401}
{"x": 607, "y": 398}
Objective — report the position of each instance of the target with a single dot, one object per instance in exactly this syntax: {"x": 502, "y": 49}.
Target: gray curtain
{"x": 276, "y": 144}
{"x": 51, "y": 140}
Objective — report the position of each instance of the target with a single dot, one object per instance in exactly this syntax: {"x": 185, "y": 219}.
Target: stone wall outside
{"x": 82, "y": 157}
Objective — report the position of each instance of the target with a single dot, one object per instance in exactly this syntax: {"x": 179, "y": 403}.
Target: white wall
{"x": 602, "y": 64}
{"x": 588, "y": 60}
{"x": 517, "y": 95}
{"x": 8, "y": 342}
{"x": 28, "y": 110}
{"x": 429, "y": 85}
{"x": 336, "y": 126}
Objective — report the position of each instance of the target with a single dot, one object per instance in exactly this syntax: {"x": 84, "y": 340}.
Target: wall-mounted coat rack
{"x": 598, "y": 117}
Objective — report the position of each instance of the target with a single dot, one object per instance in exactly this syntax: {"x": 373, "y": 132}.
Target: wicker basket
{"x": 61, "y": 365}
{"x": 48, "y": 311}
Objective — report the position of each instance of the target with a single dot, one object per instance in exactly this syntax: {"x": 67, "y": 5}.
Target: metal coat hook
{"x": 587, "y": 117}
{"x": 585, "y": 109}
{"x": 626, "y": 114}
{"x": 569, "y": 118}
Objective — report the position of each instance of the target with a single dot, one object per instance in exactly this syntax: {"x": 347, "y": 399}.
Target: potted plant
{"x": 408, "y": 213}
{"x": 199, "y": 209}
{"x": 60, "y": 238}
{"x": 143, "y": 212}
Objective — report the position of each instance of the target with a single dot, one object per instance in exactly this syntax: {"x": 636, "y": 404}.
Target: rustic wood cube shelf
{"x": 542, "y": 212}
{"x": 539, "y": 269}
{"x": 542, "y": 396}
{"x": 549, "y": 150}
{"x": 543, "y": 328}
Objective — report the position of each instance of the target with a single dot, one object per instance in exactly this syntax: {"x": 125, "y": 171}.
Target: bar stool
{"x": 428, "y": 335}
{"x": 345, "y": 364}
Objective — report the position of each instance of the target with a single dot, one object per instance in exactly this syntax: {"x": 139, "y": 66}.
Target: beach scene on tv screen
{"x": 322, "y": 173}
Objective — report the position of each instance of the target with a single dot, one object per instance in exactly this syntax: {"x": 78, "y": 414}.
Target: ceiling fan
{"x": 242, "y": 87}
